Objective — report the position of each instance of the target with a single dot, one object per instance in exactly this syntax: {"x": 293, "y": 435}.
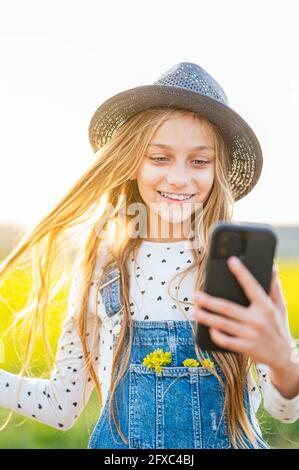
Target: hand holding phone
{"x": 254, "y": 245}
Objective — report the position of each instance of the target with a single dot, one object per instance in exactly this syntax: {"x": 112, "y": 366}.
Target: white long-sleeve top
{"x": 58, "y": 400}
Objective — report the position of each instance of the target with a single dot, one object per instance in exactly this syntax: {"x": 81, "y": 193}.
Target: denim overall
{"x": 179, "y": 408}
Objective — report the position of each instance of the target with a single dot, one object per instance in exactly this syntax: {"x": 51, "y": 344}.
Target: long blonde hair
{"x": 53, "y": 248}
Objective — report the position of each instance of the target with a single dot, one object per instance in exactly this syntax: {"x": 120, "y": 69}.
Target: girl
{"x": 179, "y": 156}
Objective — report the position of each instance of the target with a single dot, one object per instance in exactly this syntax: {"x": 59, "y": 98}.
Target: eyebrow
{"x": 197, "y": 147}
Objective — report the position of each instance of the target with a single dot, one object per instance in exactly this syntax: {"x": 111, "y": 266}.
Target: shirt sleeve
{"x": 281, "y": 408}
{"x": 58, "y": 400}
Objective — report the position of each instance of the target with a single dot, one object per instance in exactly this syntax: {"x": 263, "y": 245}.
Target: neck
{"x": 162, "y": 231}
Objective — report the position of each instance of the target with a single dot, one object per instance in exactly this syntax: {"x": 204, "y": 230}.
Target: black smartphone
{"x": 254, "y": 244}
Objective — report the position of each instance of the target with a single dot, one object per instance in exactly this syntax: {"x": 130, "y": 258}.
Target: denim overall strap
{"x": 178, "y": 408}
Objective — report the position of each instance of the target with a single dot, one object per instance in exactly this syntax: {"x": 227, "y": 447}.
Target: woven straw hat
{"x": 187, "y": 86}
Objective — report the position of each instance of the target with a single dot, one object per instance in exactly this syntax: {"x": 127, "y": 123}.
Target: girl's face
{"x": 179, "y": 161}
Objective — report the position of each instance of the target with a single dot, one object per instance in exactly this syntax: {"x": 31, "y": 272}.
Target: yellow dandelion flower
{"x": 190, "y": 363}
{"x": 157, "y": 359}
{"x": 207, "y": 363}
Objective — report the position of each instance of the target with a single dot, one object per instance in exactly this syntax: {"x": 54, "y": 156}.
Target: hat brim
{"x": 244, "y": 148}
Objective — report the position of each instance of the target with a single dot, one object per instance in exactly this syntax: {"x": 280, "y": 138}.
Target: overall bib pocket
{"x": 167, "y": 408}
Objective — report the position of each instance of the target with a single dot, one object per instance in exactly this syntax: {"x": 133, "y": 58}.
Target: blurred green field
{"x": 28, "y": 434}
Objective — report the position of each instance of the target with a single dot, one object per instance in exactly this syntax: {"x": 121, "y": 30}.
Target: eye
{"x": 156, "y": 158}
{"x": 202, "y": 161}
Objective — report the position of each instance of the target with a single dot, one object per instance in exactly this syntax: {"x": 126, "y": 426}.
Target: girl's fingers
{"x": 222, "y": 306}
{"x": 251, "y": 287}
{"x": 219, "y": 322}
{"x": 228, "y": 342}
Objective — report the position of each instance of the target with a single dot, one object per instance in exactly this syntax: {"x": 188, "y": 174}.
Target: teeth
{"x": 175, "y": 196}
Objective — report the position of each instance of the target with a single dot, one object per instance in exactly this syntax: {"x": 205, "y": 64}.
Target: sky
{"x": 61, "y": 59}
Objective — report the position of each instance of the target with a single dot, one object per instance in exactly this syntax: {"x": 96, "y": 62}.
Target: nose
{"x": 178, "y": 176}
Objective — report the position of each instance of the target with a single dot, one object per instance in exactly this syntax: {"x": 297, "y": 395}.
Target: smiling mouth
{"x": 174, "y": 197}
